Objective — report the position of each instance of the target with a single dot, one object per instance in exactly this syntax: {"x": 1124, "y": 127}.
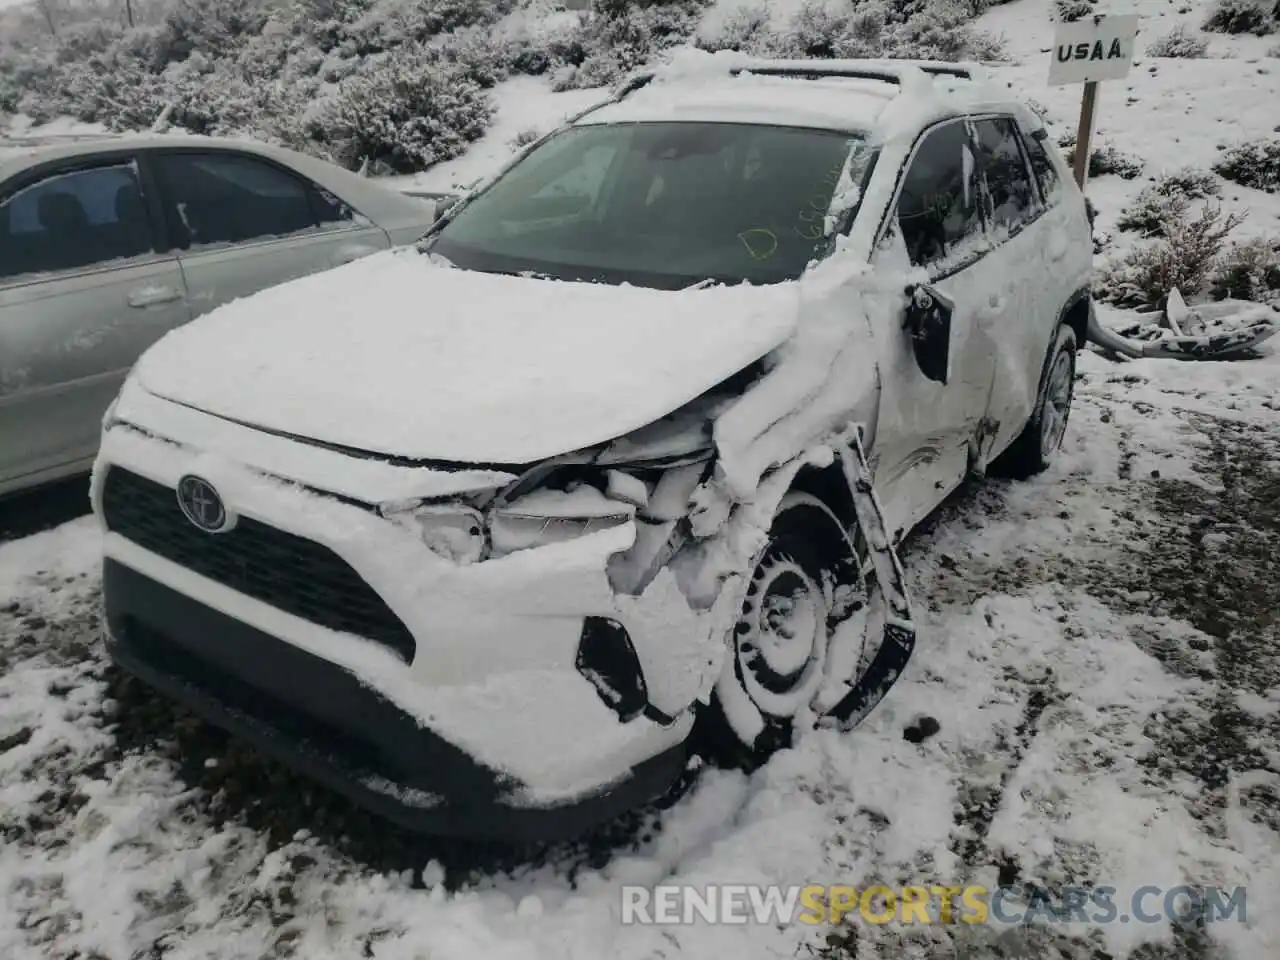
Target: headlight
{"x": 547, "y": 516}
{"x": 454, "y": 531}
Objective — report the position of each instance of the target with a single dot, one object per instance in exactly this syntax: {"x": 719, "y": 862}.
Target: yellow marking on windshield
{"x": 759, "y": 234}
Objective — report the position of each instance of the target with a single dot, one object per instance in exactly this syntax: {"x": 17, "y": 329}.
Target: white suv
{"x": 483, "y": 533}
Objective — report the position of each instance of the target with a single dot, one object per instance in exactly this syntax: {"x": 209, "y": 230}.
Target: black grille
{"x": 291, "y": 573}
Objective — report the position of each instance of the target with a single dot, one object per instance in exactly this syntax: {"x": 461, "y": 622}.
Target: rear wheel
{"x": 1042, "y": 437}
{"x": 805, "y": 581}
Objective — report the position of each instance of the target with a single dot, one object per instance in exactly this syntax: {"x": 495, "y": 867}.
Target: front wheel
{"x": 1042, "y": 437}
{"x": 805, "y": 581}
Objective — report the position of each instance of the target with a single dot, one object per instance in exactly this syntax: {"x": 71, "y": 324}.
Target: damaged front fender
{"x": 890, "y": 581}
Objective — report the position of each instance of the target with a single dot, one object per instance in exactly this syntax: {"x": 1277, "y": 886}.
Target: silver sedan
{"x": 108, "y": 243}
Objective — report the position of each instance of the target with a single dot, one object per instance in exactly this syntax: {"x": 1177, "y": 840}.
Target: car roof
{"x": 18, "y": 153}
{"x": 837, "y": 104}
{"x": 853, "y": 96}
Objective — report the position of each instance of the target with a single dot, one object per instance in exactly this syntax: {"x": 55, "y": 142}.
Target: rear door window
{"x": 229, "y": 199}
{"x": 939, "y": 213}
{"x": 73, "y": 220}
{"x": 1012, "y": 201}
{"x": 1045, "y": 173}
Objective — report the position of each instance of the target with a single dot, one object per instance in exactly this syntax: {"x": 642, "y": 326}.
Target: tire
{"x": 772, "y": 676}
{"x": 1041, "y": 438}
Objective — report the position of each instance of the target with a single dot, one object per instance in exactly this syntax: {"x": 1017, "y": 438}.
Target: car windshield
{"x": 656, "y": 204}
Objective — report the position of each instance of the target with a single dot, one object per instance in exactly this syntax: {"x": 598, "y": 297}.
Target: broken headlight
{"x": 566, "y": 503}
{"x": 454, "y": 531}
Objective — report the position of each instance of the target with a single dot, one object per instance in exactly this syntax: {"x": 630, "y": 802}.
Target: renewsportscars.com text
{"x": 935, "y": 903}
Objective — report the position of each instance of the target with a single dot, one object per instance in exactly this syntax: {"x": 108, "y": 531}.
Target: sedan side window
{"x": 225, "y": 198}
{"x": 938, "y": 208}
{"x": 1011, "y": 197}
{"x": 73, "y": 220}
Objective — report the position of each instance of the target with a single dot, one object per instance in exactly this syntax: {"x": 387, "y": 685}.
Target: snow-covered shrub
{"x": 1241, "y": 16}
{"x": 81, "y": 40}
{"x": 213, "y": 27}
{"x": 1108, "y": 160}
{"x": 392, "y": 23}
{"x": 1253, "y": 164}
{"x": 1179, "y": 42}
{"x": 1248, "y": 271}
{"x": 525, "y": 137}
{"x": 409, "y": 111}
{"x": 897, "y": 28}
{"x": 620, "y": 37}
{"x": 1184, "y": 258}
{"x": 1169, "y": 197}
{"x": 1069, "y": 11}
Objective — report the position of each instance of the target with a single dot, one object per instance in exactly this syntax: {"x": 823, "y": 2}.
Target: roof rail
{"x": 887, "y": 71}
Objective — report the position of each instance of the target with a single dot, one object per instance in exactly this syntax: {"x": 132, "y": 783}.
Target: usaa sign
{"x": 1097, "y": 48}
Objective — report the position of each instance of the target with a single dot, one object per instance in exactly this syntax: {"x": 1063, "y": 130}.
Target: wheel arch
{"x": 1075, "y": 314}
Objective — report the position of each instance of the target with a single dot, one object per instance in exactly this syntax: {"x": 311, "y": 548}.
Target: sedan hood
{"x": 398, "y": 356}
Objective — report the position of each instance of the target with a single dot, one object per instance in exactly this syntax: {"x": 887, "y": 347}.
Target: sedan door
{"x": 242, "y": 223}
{"x": 926, "y": 428}
{"x": 83, "y": 293}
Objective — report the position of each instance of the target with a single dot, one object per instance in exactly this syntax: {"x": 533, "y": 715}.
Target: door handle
{"x": 152, "y": 295}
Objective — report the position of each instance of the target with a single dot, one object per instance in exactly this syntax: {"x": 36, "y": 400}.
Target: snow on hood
{"x": 396, "y": 355}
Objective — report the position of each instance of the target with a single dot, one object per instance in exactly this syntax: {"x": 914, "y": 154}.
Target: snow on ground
{"x": 1099, "y": 647}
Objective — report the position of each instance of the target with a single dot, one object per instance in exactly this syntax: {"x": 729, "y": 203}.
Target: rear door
{"x": 83, "y": 291}
{"x": 242, "y": 223}
{"x": 1034, "y": 283}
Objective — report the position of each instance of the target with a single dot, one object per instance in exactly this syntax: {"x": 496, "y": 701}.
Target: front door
{"x": 926, "y": 428}
{"x": 82, "y": 295}
{"x": 242, "y": 224}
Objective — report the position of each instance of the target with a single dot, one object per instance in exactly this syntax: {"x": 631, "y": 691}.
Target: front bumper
{"x": 464, "y": 712}
{"x": 323, "y": 721}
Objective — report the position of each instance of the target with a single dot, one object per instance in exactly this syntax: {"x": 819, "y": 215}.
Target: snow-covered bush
{"x": 1253, "y": 164}
{"x": 1169, "y": 197}
{"x": 1248, "y": 271}
{"x": 1184, "y": 258}
{"x": 898, "y": 28}
{"x": 407, "y": 112}
{"x": 619, "y": 37}
{"x": 1069, "y": 11}
{"x": 1242, "y": 16}
{"x": 1179, "y": 42}
{"x": 392, "y": 23}
{"x": 1108, "y": 160}
{"x": 212, "y": 27}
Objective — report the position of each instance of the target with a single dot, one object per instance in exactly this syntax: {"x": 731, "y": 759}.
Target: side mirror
{"x": 929, "y": 315}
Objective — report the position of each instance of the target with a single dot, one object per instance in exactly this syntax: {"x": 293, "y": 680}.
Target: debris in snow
{"x": 920, "y": 729}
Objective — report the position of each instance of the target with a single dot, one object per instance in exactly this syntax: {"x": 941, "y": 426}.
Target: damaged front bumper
{"x": 451, "y": 699}
{"x": 321, "y": 720}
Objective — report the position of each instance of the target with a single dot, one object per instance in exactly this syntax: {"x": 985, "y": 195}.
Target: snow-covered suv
{"x": 489, "y": 533}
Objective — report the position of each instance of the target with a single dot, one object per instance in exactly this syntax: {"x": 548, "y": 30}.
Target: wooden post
{"x": 1084, "y": 132}
{"x": 128, "y": 10}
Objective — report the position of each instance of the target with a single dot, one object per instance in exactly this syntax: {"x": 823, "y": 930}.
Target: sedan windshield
{"x": 656, "y": 204}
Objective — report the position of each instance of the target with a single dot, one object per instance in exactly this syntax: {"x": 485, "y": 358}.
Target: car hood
{"x": 396, "y": 355}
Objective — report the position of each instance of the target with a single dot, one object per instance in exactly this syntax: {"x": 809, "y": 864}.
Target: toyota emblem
{"x": 201, "y": 504}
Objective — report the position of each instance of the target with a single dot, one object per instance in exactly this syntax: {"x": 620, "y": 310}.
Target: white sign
{"x": 1094, "y": 48}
